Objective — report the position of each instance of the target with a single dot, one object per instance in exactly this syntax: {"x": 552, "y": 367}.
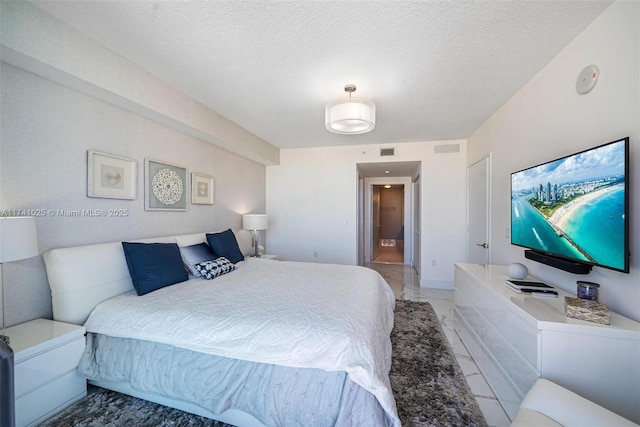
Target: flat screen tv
{"x": 575, "y": 209}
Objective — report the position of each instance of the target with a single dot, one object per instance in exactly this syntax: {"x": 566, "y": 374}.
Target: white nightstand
{"x": 264, "y": 256}
{"x": 46, "y": 355}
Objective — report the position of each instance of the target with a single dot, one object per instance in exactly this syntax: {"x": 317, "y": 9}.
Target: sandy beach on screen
{"x": 561, "y": 216}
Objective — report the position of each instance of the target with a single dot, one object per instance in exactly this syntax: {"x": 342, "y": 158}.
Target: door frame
{"x": 415, "y": 221}
{"x": 376, "y": 223}
{"x": 368, "y": 215}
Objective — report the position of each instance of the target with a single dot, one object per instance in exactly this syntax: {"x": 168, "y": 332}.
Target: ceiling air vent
{"x": 446, "y": 148}
{"x": 387, "y": 151}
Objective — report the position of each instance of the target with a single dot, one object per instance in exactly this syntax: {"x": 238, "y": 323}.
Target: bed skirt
{"x": 265, "y": 394}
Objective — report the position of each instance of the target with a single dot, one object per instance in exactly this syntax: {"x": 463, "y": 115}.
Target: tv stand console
{"x": 514, "y": 339}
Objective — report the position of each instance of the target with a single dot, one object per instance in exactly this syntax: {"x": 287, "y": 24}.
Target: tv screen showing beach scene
{"x": 575, "y": 207}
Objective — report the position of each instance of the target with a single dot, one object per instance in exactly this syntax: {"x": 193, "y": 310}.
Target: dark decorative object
{"x": 588, "y": 290}
{"x": 7, "y": 395}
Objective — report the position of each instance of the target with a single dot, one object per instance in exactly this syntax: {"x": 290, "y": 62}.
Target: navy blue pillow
{"x": 154, "y": 265}
{"x": 195, "y": 254}
{"x": 225, "y": 244}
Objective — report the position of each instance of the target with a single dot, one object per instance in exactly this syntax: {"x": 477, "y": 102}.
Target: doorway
{"x": 388, "y": 224}
{"x": 372, "y": 177}
{"x": 386, "y": 212}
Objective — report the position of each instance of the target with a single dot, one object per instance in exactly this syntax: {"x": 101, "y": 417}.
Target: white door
{"x": 478, "y": 211}
{"x": 361, "y": 221}
{"x": 416, "y": 225}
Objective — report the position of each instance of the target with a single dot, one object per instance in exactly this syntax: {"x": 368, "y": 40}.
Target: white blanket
{"x": 331, "y": 317}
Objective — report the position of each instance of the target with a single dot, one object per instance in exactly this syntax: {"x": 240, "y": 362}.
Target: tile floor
{"x": 390, "y": 254}
{"x": 405, "y": 284}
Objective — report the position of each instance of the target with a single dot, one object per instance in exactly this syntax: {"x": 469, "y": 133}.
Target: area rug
{"x": 427, "y": 382}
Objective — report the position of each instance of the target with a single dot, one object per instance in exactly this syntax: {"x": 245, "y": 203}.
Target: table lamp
{"x": 255, "y": 222}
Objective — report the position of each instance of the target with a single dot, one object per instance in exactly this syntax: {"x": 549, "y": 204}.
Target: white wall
{"x": 34, "y": 40}
{"x": 47, "y": 128}
{"x": 547, "y": 119}
{"x": 312, "y": 200}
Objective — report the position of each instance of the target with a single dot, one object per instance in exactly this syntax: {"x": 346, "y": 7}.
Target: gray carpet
{"x": 427, "y": 382}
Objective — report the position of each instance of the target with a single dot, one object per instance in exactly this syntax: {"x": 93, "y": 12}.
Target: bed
{"x": 268, "y": 343}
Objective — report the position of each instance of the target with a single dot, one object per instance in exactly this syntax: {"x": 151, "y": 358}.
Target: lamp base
{"x": 256, "y": 240}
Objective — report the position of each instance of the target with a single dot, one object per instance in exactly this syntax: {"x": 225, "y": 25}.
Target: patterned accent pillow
{"x": 214, "y": 268}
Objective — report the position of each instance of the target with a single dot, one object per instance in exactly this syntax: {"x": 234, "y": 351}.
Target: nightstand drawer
{"x": 50, "y": 398}
{"x": 44, "y": 367}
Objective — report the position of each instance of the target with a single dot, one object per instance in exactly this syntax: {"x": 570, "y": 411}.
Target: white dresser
{"x": 514, "y": 339}
{"x": 46, "y": 355}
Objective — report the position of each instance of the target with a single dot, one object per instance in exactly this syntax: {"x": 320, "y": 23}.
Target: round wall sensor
{"x": 587, "y": 79}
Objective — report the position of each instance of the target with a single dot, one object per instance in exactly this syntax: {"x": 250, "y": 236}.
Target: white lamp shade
{"x": 255, "y": 222}
{"x": 18, "y": 238}
{"x": 351, "y": 117}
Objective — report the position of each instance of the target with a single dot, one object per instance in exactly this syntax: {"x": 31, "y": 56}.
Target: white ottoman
{"x": 549, "y": 405}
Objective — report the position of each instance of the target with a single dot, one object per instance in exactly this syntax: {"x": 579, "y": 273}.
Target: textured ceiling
{"x": 435, "y": 69}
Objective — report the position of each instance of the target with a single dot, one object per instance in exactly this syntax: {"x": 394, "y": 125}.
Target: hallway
{"x": 390, "y": 251}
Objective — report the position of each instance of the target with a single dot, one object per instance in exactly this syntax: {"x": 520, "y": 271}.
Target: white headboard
{"x": 81, "y": 277}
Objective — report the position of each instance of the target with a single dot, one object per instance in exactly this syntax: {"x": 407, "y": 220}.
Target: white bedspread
{"x": 332, "y": 317}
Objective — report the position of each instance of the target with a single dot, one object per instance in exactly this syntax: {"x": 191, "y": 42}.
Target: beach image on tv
{"x": 574, "y": 206}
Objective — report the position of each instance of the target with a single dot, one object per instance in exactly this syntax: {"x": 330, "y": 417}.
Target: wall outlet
{"x": 433, "y": 263}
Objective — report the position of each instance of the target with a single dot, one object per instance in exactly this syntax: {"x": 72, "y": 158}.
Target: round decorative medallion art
{"x": 203, "y": 189}
{"x": 167, "y": 186}
{"x": 113, "y": 177}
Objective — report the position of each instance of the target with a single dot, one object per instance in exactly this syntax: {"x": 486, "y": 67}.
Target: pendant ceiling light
{"x": 350, "y": 117}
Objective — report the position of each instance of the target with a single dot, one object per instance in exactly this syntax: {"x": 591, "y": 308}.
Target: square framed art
{"x": 165, "y": 186}
{"x": 201, "y": 189}
{"x": 111, "y": 177}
